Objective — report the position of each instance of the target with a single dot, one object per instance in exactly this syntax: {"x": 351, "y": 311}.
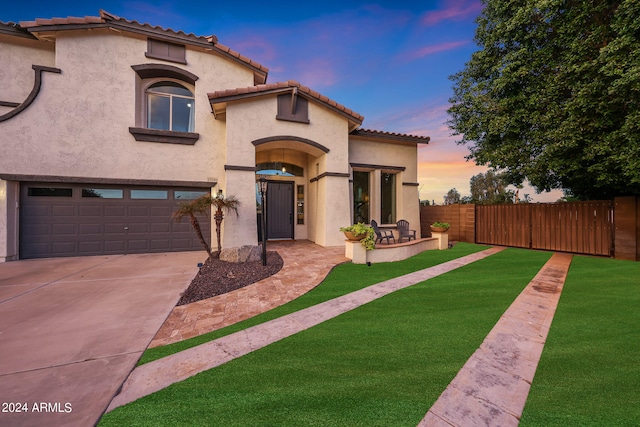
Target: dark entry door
{"x": 280, "y": 210}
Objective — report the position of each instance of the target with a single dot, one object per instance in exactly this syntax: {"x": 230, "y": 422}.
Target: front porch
{"x": 394, "y": 252}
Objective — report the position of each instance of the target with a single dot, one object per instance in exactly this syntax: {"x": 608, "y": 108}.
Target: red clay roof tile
{"x": 108, "y": 18}
{"x": 231, "y": 93}
{"x": 393, "y": 135}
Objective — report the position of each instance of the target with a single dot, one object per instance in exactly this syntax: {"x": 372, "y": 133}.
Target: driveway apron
{"x": 71, "y": 330}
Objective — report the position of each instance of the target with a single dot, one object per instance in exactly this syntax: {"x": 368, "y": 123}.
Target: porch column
{"x": 241, "y": 229}
{"x": 333, "y": 210}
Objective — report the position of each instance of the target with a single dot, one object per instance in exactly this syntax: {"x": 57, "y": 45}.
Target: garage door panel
{"x": 37, "y": 230}
{"x": 138, "y": 211}
{"x": 183, "y": 243}
{"x": 63, "y": 229}
{"x": 115, "y": 246}
{"x": 90, "y": 229}
{"x": 115, "y": 211}
{"x": 91, "y": 211}
{"x": 135, "y": 246}
{"x": 64, "y": 211}
{"x": 33, "y": 211}
{"x": 161, "y": 244}
{"x": 138, "y": 227}
{"x": 63, "y": 248}
{"x": 114, "y": 229}
{"x": 161, "y": 228}
{"x": 82, "y": 225}
{"x": 161, "y": 211}
{"x": 91, "y": 247}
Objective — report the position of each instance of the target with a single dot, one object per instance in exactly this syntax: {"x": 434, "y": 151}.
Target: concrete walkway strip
{"x": 492, "y": 387}
{"x": 157, "y": 375}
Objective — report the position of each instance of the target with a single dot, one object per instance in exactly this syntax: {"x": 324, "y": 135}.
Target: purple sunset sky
{"x": 387, "y": 60}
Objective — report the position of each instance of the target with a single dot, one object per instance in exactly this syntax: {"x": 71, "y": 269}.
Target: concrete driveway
{"x": 71, "y": 330}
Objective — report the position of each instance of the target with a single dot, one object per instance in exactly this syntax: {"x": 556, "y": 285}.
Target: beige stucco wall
{"x": 17, "y": 55}
{"x": 79, "y": 124}
{"x": 254, "y": 119}
{"x": 80, "y": 120}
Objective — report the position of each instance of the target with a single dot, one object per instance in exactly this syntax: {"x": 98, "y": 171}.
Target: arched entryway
{"x": 288, "y": 163}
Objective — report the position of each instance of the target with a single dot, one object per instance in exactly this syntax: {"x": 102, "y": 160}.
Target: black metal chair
{"x": 382, "y": 234}
{"x": 404, "y": 231}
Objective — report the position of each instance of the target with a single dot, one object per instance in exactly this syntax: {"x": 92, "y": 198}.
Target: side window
{"x": 170, "y": 106}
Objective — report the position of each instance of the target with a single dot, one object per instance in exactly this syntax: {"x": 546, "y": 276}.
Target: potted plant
{"x": 440, "y": 227}
{"x": 360, "y": 232}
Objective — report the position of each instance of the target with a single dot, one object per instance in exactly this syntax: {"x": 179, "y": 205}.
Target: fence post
{"x": 627, "y": 230}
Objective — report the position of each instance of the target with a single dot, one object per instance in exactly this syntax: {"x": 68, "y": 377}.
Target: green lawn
{"x": 343, "y": 279}
{"x": 589, "y": 373}
{"x": 384, "y": 363}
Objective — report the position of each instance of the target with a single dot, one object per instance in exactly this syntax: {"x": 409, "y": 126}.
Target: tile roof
{"x": 107, "y": 19}
{"x": 368, "y": 133}
{"x": 265, "y": 89}
{"x": 13, "y": 29}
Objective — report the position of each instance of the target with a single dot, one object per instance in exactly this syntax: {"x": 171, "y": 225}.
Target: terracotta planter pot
{"x": 439, "y": 229}
{"x": 354, "y": 237}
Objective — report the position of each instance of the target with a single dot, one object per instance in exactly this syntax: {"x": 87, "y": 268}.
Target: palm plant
{"x": 201, "y": 205}
{"x": 223, "y": 205}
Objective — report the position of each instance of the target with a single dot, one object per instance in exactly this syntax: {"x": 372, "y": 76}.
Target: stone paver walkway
{"x": 155, "y": 376}
{"x": 305, "y": 266}
{"x": 492, "y": 387}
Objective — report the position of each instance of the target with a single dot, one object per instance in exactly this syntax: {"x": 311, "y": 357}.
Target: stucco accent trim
{"x": 114, "y": 181}
{"x": 240, "y": 168}
{"x": 373, "y": 167}
{"x": 150, "y": 71}
{"x": 164, "y": 136}
{"x": 37, "y": 83}
{"x": 411, "y": 184}
{"x": 327, "y": 174}
{"x": 290, "y": 138}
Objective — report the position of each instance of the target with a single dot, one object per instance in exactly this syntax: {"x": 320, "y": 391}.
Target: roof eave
{"x": 219, "y": 104}
{"x": 395, "y": 138}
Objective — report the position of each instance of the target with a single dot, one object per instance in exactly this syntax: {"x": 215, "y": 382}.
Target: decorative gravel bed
{"x": 219, "y": 277}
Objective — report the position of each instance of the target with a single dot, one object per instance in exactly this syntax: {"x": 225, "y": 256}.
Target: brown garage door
{"x": 59, "y": 220}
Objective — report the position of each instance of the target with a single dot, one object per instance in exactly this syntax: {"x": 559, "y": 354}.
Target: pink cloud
{"x": 431, "y": 49}
{"x": 455, "y": 10}
{"x": 318, "y": 72}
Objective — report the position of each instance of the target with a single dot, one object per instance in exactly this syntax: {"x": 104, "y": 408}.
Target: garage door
{"x": 59, "y": 220}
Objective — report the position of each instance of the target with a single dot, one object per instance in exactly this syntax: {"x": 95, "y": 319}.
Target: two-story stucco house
{"x": 106, "y": 124}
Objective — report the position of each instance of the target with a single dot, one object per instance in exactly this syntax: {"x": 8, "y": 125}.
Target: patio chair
{"x": 404, "y": 231}
{"x": 382, "y": 234}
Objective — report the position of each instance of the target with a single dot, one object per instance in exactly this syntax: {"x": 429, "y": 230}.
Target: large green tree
{"x": 490, "y": 188}
{"x": 553, "y": 95}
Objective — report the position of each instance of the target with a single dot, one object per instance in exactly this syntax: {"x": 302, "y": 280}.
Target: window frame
{"x": 393, "y": 202}
{"x": 172, "y": 97}
{"x": 146, "y": 76}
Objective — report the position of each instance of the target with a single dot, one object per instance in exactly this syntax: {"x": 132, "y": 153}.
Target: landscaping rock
{"x": 247, "y": 253}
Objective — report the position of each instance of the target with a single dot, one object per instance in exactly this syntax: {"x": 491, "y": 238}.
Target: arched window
{"x": 170, "y": 106}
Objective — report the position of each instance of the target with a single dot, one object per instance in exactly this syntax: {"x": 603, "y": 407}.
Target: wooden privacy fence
{"x": 461, "y": 218}
{"x": 603, "y": 228}
{"x": 580, "y": 227}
